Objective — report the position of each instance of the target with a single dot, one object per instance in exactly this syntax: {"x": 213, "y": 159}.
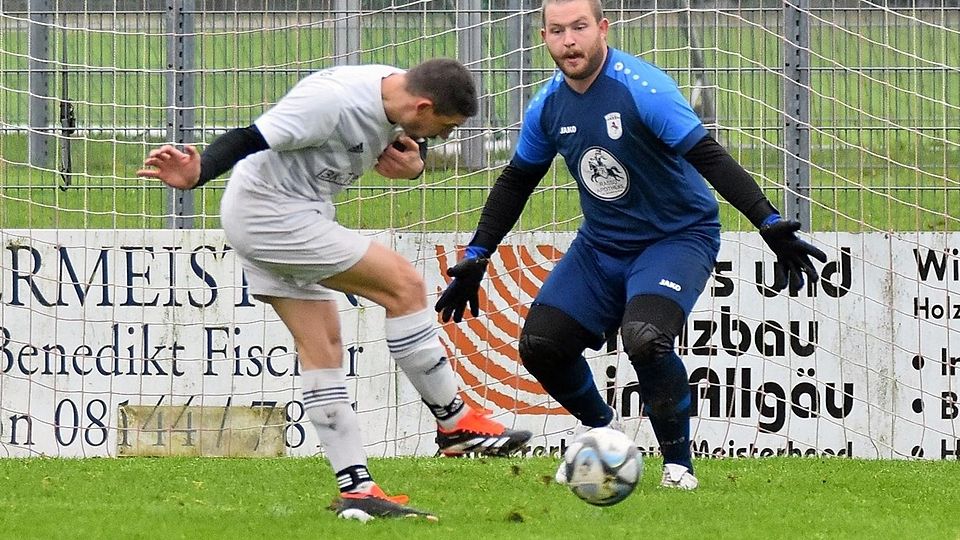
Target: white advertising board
{"x": 863, "y": 362}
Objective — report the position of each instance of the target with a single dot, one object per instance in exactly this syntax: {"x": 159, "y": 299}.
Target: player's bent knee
{"x": 413, "y": 289}
{"x": 550, "y": 339}
{"x": 644, "y": 342}
{"x": 650, "y": 325}
{"x": 541, "y": 354}
{"x": 406, "y": 291}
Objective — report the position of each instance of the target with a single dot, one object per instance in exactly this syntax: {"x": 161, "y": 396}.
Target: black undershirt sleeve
{"x": 505, "y": 203}
{"x": 730, "y": 179}
{"x": 227, "y": 150}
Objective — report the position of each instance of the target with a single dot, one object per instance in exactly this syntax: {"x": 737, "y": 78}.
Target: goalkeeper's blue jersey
{"x": 623, "y": 140}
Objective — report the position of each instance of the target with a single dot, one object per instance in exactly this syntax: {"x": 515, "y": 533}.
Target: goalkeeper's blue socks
{"x": 575, "y": 390}
{"x": 666, "y": 396}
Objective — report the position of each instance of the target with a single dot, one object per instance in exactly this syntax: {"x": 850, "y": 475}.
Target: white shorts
{"x": 287, "y": 245}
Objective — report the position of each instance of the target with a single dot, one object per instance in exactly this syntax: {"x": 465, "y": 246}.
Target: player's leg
{"x": 576, "y": 304}
{"x": 650, "y": 326}
{"x": 388, "y": 279}
{"x": 551, "y": 348}
{"x": 662, "y": 287}
{"x": 306, "y": 253}
{"x": 286, "y": 246}
{"x": 315, "y": 326}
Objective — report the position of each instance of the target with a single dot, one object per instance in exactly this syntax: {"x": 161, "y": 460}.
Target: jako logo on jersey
{"x": 614, "y": 127}
{"x": 357, "y": 149}
{"x": 667, "y": 283}
{"x": 566, "y": 130}
{"x": 602, "y": 175}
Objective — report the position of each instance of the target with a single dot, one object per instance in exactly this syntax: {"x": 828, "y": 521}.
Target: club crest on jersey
{"x": 614, "y": 127}
{"x": 603, "y": 175}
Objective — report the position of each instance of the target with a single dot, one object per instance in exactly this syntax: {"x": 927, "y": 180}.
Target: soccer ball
{"x": 602, "y": 466}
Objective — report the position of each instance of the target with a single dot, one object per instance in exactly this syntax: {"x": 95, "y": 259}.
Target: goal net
{"x": 125, "y": 318}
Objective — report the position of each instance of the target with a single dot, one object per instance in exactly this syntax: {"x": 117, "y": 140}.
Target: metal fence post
{"x": 181, "y": 127}
{"x": 39, "y": 78}
{"x": 796, "y": 115}
{"x": 346, "y": 31}
{"x": 518, "y": 71}
{"x": 470, "y": 48}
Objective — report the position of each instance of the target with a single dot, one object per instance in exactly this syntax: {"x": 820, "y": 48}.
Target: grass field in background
{"x": 106, "y": 194}
{"x": 873, "y": 167}
{"x": 241, "y": 69}
{"x": 498, "y": 498}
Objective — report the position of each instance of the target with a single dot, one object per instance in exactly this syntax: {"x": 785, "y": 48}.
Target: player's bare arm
{"x": 190, "y": 169}
{"x": 180, "y": 170}
{"x": 401, "y": 160}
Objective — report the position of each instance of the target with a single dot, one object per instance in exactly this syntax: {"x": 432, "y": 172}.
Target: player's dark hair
{"x": 596, "y": 6}
{"x": 447, "y": 83}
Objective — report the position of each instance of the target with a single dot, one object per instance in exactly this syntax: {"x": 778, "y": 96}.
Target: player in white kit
{"x": 278, "y": 215}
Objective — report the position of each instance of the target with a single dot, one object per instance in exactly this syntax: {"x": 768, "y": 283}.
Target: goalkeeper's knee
{"x": 650, "y": 325}
{"x": 551, "y": 347}
{"x": 551, "y": 342}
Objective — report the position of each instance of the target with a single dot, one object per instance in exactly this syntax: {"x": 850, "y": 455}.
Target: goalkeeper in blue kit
{"x": 650, "y": 233}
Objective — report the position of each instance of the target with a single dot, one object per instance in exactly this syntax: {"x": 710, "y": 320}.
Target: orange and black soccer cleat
{"x": 372, "y": 503}
{"x": 477, "y": 433}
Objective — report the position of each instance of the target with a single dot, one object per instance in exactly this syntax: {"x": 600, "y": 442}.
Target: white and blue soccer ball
{"x": 602, "y": 466}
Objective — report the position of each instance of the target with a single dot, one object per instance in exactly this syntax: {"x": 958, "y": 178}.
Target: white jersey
{"x": 323, "y": 134}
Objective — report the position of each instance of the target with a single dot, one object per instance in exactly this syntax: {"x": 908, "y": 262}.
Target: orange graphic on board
{"x": 484, "y": 348}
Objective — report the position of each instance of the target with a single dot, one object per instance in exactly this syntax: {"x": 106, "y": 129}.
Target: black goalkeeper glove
{"x": 465, "y": 287}
{"x": 793, "y": 254}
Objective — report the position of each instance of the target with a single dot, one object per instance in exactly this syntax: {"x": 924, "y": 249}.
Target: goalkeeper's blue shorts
{"x": 594, "y": 286}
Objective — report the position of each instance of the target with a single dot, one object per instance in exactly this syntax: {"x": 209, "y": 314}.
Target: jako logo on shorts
{"x": 667, "y": 283}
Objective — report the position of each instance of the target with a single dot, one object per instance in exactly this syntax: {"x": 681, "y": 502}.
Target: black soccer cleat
{"x": 476, "y": 433}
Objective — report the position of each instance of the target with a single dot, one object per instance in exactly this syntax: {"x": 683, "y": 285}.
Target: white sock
{"x": 415, "y": 346}
{"x": 327, "y": 404}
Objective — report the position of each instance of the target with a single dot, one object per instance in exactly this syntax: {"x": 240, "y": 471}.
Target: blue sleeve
{"x": 533, "y": 147}
{"x": 667, "y": 113}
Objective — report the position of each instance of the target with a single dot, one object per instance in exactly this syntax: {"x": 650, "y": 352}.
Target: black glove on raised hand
{"x": 464, "y": 289}
{"x": 793, "y": 254}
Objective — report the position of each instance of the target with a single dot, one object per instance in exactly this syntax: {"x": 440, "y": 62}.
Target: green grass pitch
{"x": 475, "y": 498}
